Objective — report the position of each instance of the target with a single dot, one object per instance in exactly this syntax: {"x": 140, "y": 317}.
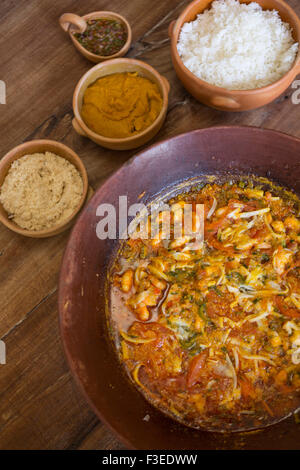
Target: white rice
{"x": 237, "y": 46}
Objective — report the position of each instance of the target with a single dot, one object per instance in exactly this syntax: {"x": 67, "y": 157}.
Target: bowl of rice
{"x": 236, "y": 55}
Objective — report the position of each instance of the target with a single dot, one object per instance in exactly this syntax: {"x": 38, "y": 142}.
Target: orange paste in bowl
{"x": 121, "y": 105}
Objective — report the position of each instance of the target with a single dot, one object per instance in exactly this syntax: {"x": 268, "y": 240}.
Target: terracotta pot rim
{"x": 29, "y": 147}
{"x": 100, "y": 415}
{"x": 93, "y": 135}
{"x": 206, "y": 129}
{"x": 288, "y": 77}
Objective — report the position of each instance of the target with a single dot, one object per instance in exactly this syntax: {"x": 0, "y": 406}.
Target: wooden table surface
{"x": 40, "y": 405}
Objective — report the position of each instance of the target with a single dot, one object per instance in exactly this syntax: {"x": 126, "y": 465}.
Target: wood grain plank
{"x": 100, "y": 438}
{"x": 37, "y": 87}
{"x": 40, "y": 406}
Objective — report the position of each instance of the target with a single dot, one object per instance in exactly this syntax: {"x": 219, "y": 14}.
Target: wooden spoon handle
{"x": 68, "y": 19}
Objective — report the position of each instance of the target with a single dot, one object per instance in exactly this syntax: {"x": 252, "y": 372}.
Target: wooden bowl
{"x": 72, "y": 23}
{"x": 221, "y": 98}
{"x": 41, "y": 146}
{"x": 108, "y": 68}
{"x": 223, "y": 151}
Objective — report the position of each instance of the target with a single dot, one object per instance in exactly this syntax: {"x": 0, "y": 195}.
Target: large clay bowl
{"x": 89, "y": 351}
{"x": 221, "y": 98}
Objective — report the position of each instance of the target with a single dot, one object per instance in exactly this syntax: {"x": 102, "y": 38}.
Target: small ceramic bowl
{"x": 72, "y": 23}
{"x": 221, "y": 98}
{"x": 41, "y": 146}
{"x": 108, "y": 68}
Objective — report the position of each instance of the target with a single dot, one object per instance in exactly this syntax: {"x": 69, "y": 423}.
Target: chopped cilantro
{"x": 217, "y": 291}
{"x": 265, "y": 258}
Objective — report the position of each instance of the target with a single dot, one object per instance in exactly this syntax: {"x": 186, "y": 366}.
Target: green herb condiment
{"x": 103, "y": 37}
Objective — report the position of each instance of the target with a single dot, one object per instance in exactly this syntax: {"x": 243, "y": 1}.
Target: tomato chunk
{"x": 285, "y": 310}
{"x": 195, "y": 368}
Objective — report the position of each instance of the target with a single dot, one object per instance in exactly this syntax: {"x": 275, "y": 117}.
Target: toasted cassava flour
{"x": 41, "y": 191}
{"x": 237, "y": 46}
